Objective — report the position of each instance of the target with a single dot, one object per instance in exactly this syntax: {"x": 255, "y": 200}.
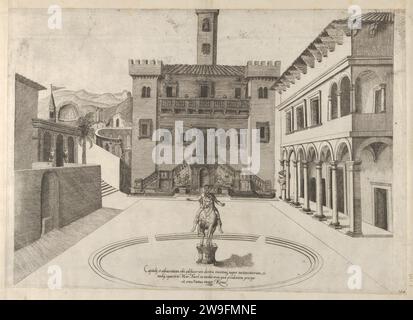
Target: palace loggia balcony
{"x": 198, "y": 106}
{"x": 351, "y": 125}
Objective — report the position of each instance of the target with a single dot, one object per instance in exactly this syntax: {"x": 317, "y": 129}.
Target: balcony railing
{"x": 204, "y": 106}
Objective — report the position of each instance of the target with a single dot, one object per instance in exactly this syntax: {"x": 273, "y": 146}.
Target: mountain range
{"x": 81, "y": 98}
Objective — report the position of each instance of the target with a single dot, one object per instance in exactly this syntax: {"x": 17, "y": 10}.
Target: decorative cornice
{"x": 304, "y": 89}
{"x": 55, "y": 127}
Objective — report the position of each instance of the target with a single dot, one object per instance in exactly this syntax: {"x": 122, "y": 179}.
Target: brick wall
{"x": 79, "y": 194}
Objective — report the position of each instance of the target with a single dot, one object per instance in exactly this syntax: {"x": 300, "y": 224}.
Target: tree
{"x": 87, "y": 133}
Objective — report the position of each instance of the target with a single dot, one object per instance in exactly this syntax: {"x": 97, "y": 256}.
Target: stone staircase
{"x": 227, "y": 181}
{"x": 107, "y": 189}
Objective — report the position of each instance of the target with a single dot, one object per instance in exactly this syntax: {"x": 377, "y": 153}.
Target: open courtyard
{"x": 266, "y": 245}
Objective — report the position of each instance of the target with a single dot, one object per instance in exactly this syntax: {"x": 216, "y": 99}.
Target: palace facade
{"x": 335, "y": 118}
{"x": 203, "y": 96}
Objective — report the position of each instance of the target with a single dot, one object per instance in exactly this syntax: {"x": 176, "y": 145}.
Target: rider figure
{"x": 206, "y": 200}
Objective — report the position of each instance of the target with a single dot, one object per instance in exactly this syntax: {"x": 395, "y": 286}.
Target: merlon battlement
{"x": 145, "y": 67}
{"x": 263, "y": 63}
{"x": 263, "y": 69}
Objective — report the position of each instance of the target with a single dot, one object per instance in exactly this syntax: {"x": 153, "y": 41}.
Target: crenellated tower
{"x": 260, "y": 76}
{"x": 145, "y": 75}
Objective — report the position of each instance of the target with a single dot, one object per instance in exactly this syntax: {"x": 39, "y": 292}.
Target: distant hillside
{"x": 81, "y": 98}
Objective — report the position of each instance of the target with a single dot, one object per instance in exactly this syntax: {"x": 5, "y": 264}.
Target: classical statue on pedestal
{"x": 282, "y": 180}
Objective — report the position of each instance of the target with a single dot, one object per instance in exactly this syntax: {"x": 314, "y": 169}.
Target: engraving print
{"x": 207, "y": 149}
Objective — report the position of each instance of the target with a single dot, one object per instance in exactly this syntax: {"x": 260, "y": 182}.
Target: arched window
{"x": 117, "y": 122}
{"x": 345, "y": 96}
{"x": 265, "y": 93}
{"x": 334, "y": 101}
{"x": 146, "y": 92}
{"x": 205, "y": 25}
{"x": 370, "y": 93}
{"x": 260, "y": 93}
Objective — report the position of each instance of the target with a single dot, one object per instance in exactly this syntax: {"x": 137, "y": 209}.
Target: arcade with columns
{"x": 347, "y": 176}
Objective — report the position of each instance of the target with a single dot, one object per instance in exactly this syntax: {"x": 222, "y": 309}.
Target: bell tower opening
{"x": 207, "y": 36}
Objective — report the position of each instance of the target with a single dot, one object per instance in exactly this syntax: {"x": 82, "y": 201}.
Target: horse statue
{"x": 206, "y": 221}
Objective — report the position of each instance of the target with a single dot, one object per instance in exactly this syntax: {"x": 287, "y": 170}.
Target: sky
{"x": 92, "y": 49}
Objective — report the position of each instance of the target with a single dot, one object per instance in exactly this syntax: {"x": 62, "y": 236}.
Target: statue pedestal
{"x": 206, "y": 254}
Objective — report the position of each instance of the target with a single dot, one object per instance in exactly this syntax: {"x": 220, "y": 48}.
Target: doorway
{"x": 381, "y": 208}
{"x": 203, "y": 177}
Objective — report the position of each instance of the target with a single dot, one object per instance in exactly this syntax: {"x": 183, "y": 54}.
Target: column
{"x": 306, "y": 207}
{"x": 354, "y": 199}
{"x": 329, "y": 108}
{"x": 287, "y": 180}
{"x": 352, "y": 98}
{"x": 345, "y": 189}
{"x": 299, "y": 167}
{"x": 282, "y": 195}
{"x": 52, "y": 153}
{"x": 338, "y": 104}
{"x": 328, "y": 187}
{"x": 76, "y": 148}
{"x": 335, "y": 223}
{"x": 65, "y": 150}
{"x": 319, "y": 212}
{"x": 296, "y": 199}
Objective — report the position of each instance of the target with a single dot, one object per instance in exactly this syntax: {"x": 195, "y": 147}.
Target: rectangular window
{"x": 264, "y": 128}
{"x": 300, "y": 117}
{"x": 262, "y": 132}
{"x": 288, "y": 127}
{"x": 145, "y": 128}
{"x": 237, "y": 93}
{"x": 206, "y": 48}
{"x": 212, "y": 90}
{"x": 315, "y": 111}
{"x": 169, "y": 93}
{"x": 204, "y": 91}
{"x": 379, "y": 100}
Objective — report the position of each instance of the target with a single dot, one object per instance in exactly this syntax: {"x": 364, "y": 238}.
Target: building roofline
{"x": 198, "y": 11}
{"x": 325, "y": 42}
{"x": 28, "y": 82}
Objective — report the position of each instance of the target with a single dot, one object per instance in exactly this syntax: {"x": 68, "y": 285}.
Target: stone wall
{"x": 78, "y": 194}
{"x": 25, "y": 149}
{"x": 109, "y": 163}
